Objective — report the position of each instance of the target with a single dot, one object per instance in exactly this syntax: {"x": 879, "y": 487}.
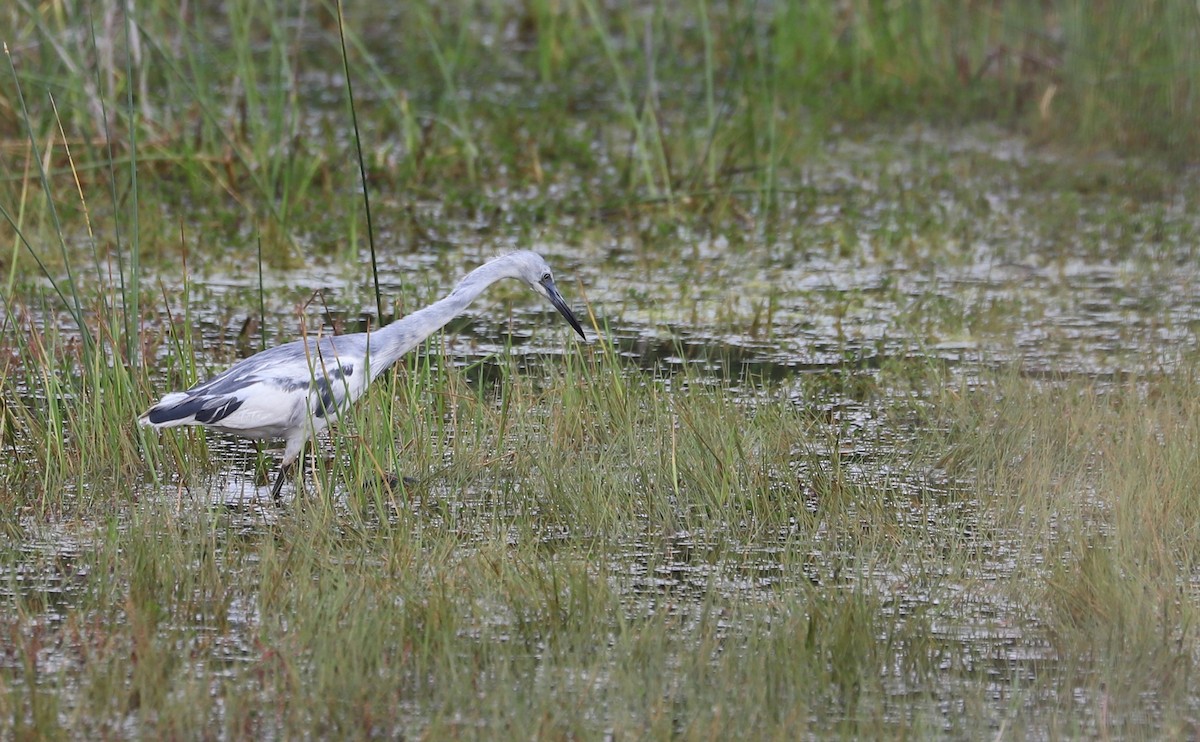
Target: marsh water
{"x": 967, "y": 251}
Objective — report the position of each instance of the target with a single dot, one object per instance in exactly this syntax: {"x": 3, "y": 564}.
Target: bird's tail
{"x": 154, "y": 416}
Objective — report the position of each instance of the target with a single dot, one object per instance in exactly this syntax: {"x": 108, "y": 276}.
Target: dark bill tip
{"x": 561, "y": 305}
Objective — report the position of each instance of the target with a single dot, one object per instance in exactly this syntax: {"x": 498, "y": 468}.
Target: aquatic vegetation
{"x": 889, "y": 428}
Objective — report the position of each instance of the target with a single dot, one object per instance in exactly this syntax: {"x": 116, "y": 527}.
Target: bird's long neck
{"x": 389, "y": 343}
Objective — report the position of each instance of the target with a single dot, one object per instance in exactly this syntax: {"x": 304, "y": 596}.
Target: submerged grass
{"x": 1099, "y": 483}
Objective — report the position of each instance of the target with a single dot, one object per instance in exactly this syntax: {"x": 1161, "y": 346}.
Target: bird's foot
{"x": 394, "y": 482}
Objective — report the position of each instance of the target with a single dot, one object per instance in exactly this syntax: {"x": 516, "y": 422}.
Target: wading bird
{"x": 296, "y": 390}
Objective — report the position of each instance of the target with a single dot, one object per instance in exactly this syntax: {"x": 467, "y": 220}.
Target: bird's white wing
{"x": 266, "y": 395}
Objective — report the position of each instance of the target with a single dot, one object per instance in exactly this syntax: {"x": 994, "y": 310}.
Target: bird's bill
{"x": 561, "y": 305}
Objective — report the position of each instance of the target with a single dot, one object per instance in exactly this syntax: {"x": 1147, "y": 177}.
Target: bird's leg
{"x": 279, "y": 480}
{"x": 293, "y": 452}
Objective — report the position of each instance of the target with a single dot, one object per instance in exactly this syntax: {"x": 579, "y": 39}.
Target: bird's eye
{"x": 546, "y": 276}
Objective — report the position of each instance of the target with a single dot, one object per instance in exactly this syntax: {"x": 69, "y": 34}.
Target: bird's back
{"x": 272, "y": 393}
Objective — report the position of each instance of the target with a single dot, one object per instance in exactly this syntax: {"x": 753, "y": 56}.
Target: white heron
{"x": 296, "y": 390}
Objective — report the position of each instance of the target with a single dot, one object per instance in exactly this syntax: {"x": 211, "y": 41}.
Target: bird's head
{"x": 532, "y": 269}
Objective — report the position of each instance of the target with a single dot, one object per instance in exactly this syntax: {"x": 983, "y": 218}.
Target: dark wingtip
{"x": 203, "y": 409}
{"x": 160, "y": 415}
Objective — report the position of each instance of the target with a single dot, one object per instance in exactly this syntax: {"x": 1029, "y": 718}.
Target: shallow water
{"x": 923, "y": 262}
